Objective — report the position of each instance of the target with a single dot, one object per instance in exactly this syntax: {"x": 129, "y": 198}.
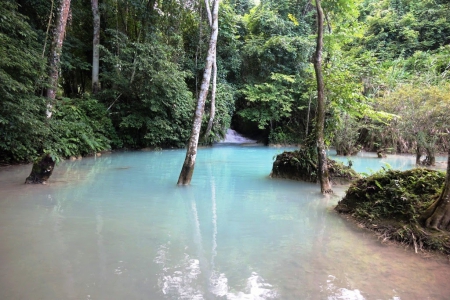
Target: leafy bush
{"x": 79, "y": 127}
{"x": 270, "y": 101}
{"x": 281, "y": 135}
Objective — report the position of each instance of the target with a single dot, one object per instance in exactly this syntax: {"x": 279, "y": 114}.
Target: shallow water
{"x": 118, "y": 227}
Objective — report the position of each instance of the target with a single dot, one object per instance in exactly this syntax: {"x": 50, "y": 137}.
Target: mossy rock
{"x": 392, "y": 202}
{"x": 301, "y": 165}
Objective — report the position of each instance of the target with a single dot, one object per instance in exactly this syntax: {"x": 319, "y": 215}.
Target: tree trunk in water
{"x": 191, "y": 153}
{"x": 42, "y": 170}
{"x": 95, "y": 47}
{"x": 431, "y": 157}
{"x": 418, "y": 154}
{"x": 437, "y": 216}
{"x": 55, "y": 53}
{"x": 325, "y": 185}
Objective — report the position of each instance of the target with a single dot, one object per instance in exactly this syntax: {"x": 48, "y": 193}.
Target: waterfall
{"x": 233, "y": 137}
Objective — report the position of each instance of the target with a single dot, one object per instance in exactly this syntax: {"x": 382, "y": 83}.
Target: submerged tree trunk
{"x": 55, "y": 53}
{"x": 95, "y": 47}
{"x": 323, "y": 174}
{"x": 191, "y": 153}
{"x": 42, "y": 170}
{"x": 437, "y": 216}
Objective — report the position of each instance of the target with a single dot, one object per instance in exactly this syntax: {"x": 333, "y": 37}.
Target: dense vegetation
{"x": 386, "y": 70}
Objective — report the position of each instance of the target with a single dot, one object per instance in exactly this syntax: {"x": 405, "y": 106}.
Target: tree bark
{"x": 95, "y": 48}
{"x": 50, "y": 17}
{"x": 191, "y": 153}
{"x": 323, "y": 174}
{"x": 418, "y": 154}
{"x": 55, "y": 53}
{"x": 437, "y": 216}
{"x": 208, "y": 12}
{"x": 212, "y": 112}
{"x": 431, "y": 157}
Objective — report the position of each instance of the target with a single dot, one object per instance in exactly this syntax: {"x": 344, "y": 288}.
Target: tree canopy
{"x": 385, "y": 67}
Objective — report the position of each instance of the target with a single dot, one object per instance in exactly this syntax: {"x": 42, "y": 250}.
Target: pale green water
{"x": 118, "y": 227}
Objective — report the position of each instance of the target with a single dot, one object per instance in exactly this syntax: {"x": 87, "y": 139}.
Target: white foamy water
{"x": 118, "y": 227}
{"x": 233, "y": 137}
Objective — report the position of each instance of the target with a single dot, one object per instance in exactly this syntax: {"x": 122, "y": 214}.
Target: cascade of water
{"x": 233, "y": 137}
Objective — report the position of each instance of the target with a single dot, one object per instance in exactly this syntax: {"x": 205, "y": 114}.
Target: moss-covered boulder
{"x": 302, "y": 165}
{"x": 392, "y": 202}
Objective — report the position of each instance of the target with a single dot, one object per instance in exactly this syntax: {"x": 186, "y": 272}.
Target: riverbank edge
{"x": 366, "y": 204}
{"x": 389, "y": 242}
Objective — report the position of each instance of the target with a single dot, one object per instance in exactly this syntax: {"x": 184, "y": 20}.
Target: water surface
{"x": 118, "y": 227}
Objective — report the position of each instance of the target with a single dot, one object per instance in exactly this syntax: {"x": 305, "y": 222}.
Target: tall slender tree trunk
{"x": 323, "y": 174}
{"x": 212, "y": 112}
{"x": 198, "y": 50}
{"x": 437, "y": 216}
{"x": 191, "y": 153}
{"x": 95, "y": 47}
{"x": 50, "y": 17}
{"x": 307, "y": 118}
{"x": 55, "y": 53}
{"x": 43, "y": 167}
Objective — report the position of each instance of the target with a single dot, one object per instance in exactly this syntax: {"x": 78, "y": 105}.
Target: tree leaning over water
{"x": 191, "y": 153}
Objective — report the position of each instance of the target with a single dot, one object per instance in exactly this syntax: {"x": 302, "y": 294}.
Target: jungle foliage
{"x": 385, "y": 66}
{"x": 22, "y": 113}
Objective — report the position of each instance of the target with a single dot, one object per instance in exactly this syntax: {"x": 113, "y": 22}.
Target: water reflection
{"x": 118, "y": 227}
